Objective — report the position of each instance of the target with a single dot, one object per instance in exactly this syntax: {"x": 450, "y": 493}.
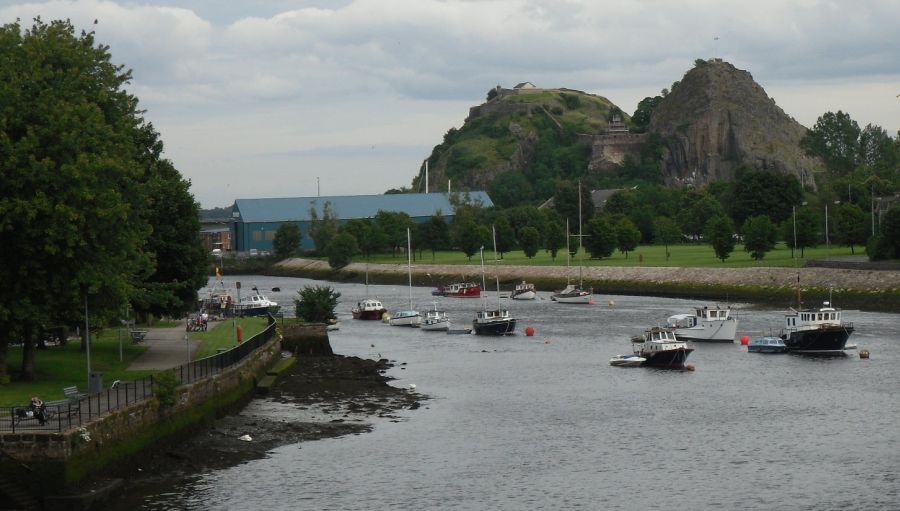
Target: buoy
{"x": 745, "y": 340}
{"x": 245, "y": 438}
{"x": 529, "y": 331}
{"x": 863, "y": 353}
{"x": 412, "y": 386}
{"x": 611, "y": 303}
{"x": 689, "y": 367}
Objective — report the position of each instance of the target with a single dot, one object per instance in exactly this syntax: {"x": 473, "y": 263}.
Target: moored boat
{"x": 407, "y": 317}
{"x": 572, "y": 293}
{"x": 706, "y": 324}
{"x": 493, "y": 322}
{"x": 766, "y": 344}
{"x": 369, "y": 309}
{"x": 436, "y": 320}
{"x": 661, "y": 349}
{"x": 627, "y": 361}
{"x": 256, "y": 304}
{"x": 461, "y": 290}
{"x": 524, "y": 291}
{"x": 816, "y": 331}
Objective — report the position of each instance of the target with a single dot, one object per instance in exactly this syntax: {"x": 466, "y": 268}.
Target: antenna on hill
{"x": 318, "y": 193}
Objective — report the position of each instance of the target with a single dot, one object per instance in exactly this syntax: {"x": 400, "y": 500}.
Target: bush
{"x": 164, "y": 386}
{"x": 317, "y": 304}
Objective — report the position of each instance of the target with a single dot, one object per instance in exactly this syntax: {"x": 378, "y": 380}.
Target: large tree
{"x": 834, "y": 138}
{"x": 666, "y": 231}
{"x": 90, "y": 213}
{"x": 850, "y": 226}
{"x": 287, "y": 240}
{"x": 434, "y": 233}
{"x": 760, "y": 236}
{"x": 627, "y": 236}
{"x": 760, "y": 192}
{"x": 600, "y": 237}
{"x": 719, "y": 233}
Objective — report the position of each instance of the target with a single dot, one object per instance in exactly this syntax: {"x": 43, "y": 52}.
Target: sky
{"x": 287, "y": 98}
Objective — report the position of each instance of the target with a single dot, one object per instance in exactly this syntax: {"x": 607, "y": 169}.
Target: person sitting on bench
{"x": 39, "y": 409}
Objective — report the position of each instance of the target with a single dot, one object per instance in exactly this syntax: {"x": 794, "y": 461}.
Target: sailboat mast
{"x": 568, "y": 253}
{"x": 496, "y": 274}
{"x": 580, "y": 251}
{"x": 409, "y": 264}
{"x": 483, "y": 282}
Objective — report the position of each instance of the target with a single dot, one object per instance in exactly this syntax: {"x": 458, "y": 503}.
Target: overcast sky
{"x": 260, "y": 98}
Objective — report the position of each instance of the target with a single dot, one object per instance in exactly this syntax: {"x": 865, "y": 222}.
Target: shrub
{"x": 317, "y": 304}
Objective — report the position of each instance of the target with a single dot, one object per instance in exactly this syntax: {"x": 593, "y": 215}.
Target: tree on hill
{"x": 759, "y": 236}
{"x": 287, "y": 240}
{"x": 644, "y": 112}
{"x": 719, "y": 233}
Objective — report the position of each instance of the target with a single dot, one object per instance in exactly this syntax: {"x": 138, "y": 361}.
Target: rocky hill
{"x": 714, "y": 121}
{"x": 717, "y": 119}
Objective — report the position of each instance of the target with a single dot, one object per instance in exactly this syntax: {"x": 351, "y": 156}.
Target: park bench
{"x": 137, "y": 335}
{"x": 72, "y": 394}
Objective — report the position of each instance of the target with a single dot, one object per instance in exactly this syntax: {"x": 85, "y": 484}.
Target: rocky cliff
{"x": 716, "y": 119}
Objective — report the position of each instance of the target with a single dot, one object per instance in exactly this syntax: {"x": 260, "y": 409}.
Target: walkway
{"x": 166, "y": 348}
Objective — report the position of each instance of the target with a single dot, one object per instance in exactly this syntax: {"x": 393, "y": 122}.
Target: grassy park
{"x": 694, "y": 255}
{"x": 111, "y": 353}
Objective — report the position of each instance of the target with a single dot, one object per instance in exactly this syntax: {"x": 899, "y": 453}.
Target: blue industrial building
{"x": 256, "y": 220}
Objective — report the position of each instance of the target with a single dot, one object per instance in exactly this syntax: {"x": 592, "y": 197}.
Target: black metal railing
{"x": 63, "y": 415}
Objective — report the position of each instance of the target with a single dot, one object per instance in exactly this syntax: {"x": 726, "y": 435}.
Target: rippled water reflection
{"x": 544, "y": 422}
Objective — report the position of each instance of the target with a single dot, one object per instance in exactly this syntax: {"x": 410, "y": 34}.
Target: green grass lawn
{"x": 685, "y": 255}
{"x": 62, "y": 366}
{"x": 222, "y": 336}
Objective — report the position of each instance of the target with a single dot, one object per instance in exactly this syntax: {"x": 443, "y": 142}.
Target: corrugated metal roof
{"x": 349, "y": 206}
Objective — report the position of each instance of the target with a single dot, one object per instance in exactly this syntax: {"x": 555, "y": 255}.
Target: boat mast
{"x": 568, "y": 254}
{"x": 483, "y": 283}
{"x": 496, "y": 274}
{"x": 580, "y": 251}
{"x": 409, "y": 265}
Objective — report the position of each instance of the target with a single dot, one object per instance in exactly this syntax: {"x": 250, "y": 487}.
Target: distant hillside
{"x": 717, "y": 119}
{"x": 215, "y": 215}
{"x": 713, "y": 122}
{"x": 521, "y": 140}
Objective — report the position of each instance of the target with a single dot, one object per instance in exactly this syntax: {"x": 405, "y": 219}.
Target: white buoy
{"x": 412, "y": 386}
{"x": 245, "y": 438}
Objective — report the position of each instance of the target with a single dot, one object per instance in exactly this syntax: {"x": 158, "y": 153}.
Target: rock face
{"x": 718, "y": 119}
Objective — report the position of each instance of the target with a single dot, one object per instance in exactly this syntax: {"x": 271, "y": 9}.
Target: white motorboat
{"x": 706, "y": 324}
{"x": 524, "y": 291}
{"x": 627, "y": 361}
{"x": 436, "y": 320}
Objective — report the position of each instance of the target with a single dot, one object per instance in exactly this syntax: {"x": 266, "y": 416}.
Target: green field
{"x": 686, "y": 255}
{"x": 62, "y": 366}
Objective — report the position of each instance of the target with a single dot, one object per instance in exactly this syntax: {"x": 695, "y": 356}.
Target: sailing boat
{"x": 369, "y": 308}
{"x": 572, "y": 293}
{"x": 407, "y": 317}
{"x": 493, "y": 322}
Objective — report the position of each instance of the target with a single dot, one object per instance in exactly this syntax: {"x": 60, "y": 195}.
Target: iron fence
{"x": 62, "y": 415}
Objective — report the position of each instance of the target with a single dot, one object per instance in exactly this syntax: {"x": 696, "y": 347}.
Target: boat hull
{"x": 766, "y": 349}
{"x": 368, "y": 315}
{"x": 825, "y": 340}
{"x": 435, "y": 326}
{"x": 402, "y": 319}
{"x": 500, "y": 327}
{"x": 627, "y": 361}
{"x": 667, "y": 359}
{"x": 254, "y": 310}
{"x": 583, "y": 298}
{"x": 719, "y": 331}
{"x": 526, "y": 295}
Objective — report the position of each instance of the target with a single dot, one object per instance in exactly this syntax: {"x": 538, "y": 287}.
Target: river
{"x": 544, "y": 422}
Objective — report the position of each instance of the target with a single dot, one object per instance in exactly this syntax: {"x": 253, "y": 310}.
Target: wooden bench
{"x": 137, "y": 335}
{"x": 72, "y": 394}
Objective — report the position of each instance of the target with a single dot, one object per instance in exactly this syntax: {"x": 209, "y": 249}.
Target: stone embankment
{"x": 861, "y": 288}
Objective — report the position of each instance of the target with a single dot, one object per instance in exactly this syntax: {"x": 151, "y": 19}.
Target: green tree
{"x": 835, "y": 139}
{"x": 322, "y": 230}
{"x": 368, "y": 236}
{"x": 644, "y": 112}
{"x": 506, "y": 237}
{"x": 760, "y": 236}
{"x": 80, "y": 169}
{"x": 434, "y": 233}
{"x": 511, "y": 189}
{"x": 765, "y": 193}
{"x": 719, "y": 233}
{"x": 666, "y": 231}
{"x": 627, "y": 236}
{"x": 850, "y": 226}
{"x": 565, "y": 201}
{"x": 554, "y": 237}
{"x": 529, "y": 239}
{"x": 801, "y": 230}
{"x": 287, "y": 240}
{"x": 696, "y": 211}
{"x": 317, "y": 304}
{"x": 394, "y": 225}
{"x": 465, "y": 235}
{"x": 890, "y": 233}
{"x": 600, "y": 237}
{"x": 340, "y": 250}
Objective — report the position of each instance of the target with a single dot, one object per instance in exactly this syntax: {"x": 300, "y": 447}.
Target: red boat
{"x": 462, "y": 290}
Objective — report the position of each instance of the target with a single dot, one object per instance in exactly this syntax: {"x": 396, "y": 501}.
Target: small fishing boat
{"x": 370, "y": 309}
{"x": 435, "y": 320}
{"x": 706, "y": 324}
{"x": 461, "y": 290}
{"x": 524, "y": 291}
{"x": 766, "y": 344}
{"x": 627, "y": 361}
{"x": 497, "y": 321}
{"x": 661, "y": 349}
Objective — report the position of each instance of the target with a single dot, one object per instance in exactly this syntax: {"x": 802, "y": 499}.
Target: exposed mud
{"x": 318, "y": 397}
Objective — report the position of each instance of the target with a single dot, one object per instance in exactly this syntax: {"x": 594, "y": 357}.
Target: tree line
{"x": 93, "y": 220}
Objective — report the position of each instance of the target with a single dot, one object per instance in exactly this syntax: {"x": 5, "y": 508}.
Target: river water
{"x": 544, "y": 422}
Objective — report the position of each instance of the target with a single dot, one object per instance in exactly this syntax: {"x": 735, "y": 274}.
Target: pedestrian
{"x": 39, "y": 409}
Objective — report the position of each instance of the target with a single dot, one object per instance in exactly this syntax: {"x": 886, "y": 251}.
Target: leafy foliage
{"x": 719, "y": 233}
{"x": 340, "y": 250}
{"x": 627, "y": 236}
{"x": 850, "y": 226}
{"x": 321, "y": 230}
{"x": 317, "y": 304}
{"x": 529, "y": 239}
{"x": 759, "y": 236}
{"x": 666, "y": 231}
{"x": 287, "y": 240}
{"x": 600, "y": 237}
{"x": 834, "y": 138}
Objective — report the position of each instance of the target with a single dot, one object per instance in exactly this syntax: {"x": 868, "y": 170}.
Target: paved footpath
{"x": 166, "y": 348}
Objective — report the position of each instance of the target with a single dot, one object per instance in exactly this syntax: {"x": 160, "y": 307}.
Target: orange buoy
{"x": 863, "y": 353}
{"x": 689, "y": 367}
{"x": 529, "y": 331}
{"x": 745, "y": 340}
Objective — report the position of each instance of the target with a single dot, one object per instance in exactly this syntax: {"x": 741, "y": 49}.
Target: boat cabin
{"x": 813, "y": 318}
{"x": 701, "y": 314}
{"x": 370, "y": 304}
{"x": 493, "y": 315}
